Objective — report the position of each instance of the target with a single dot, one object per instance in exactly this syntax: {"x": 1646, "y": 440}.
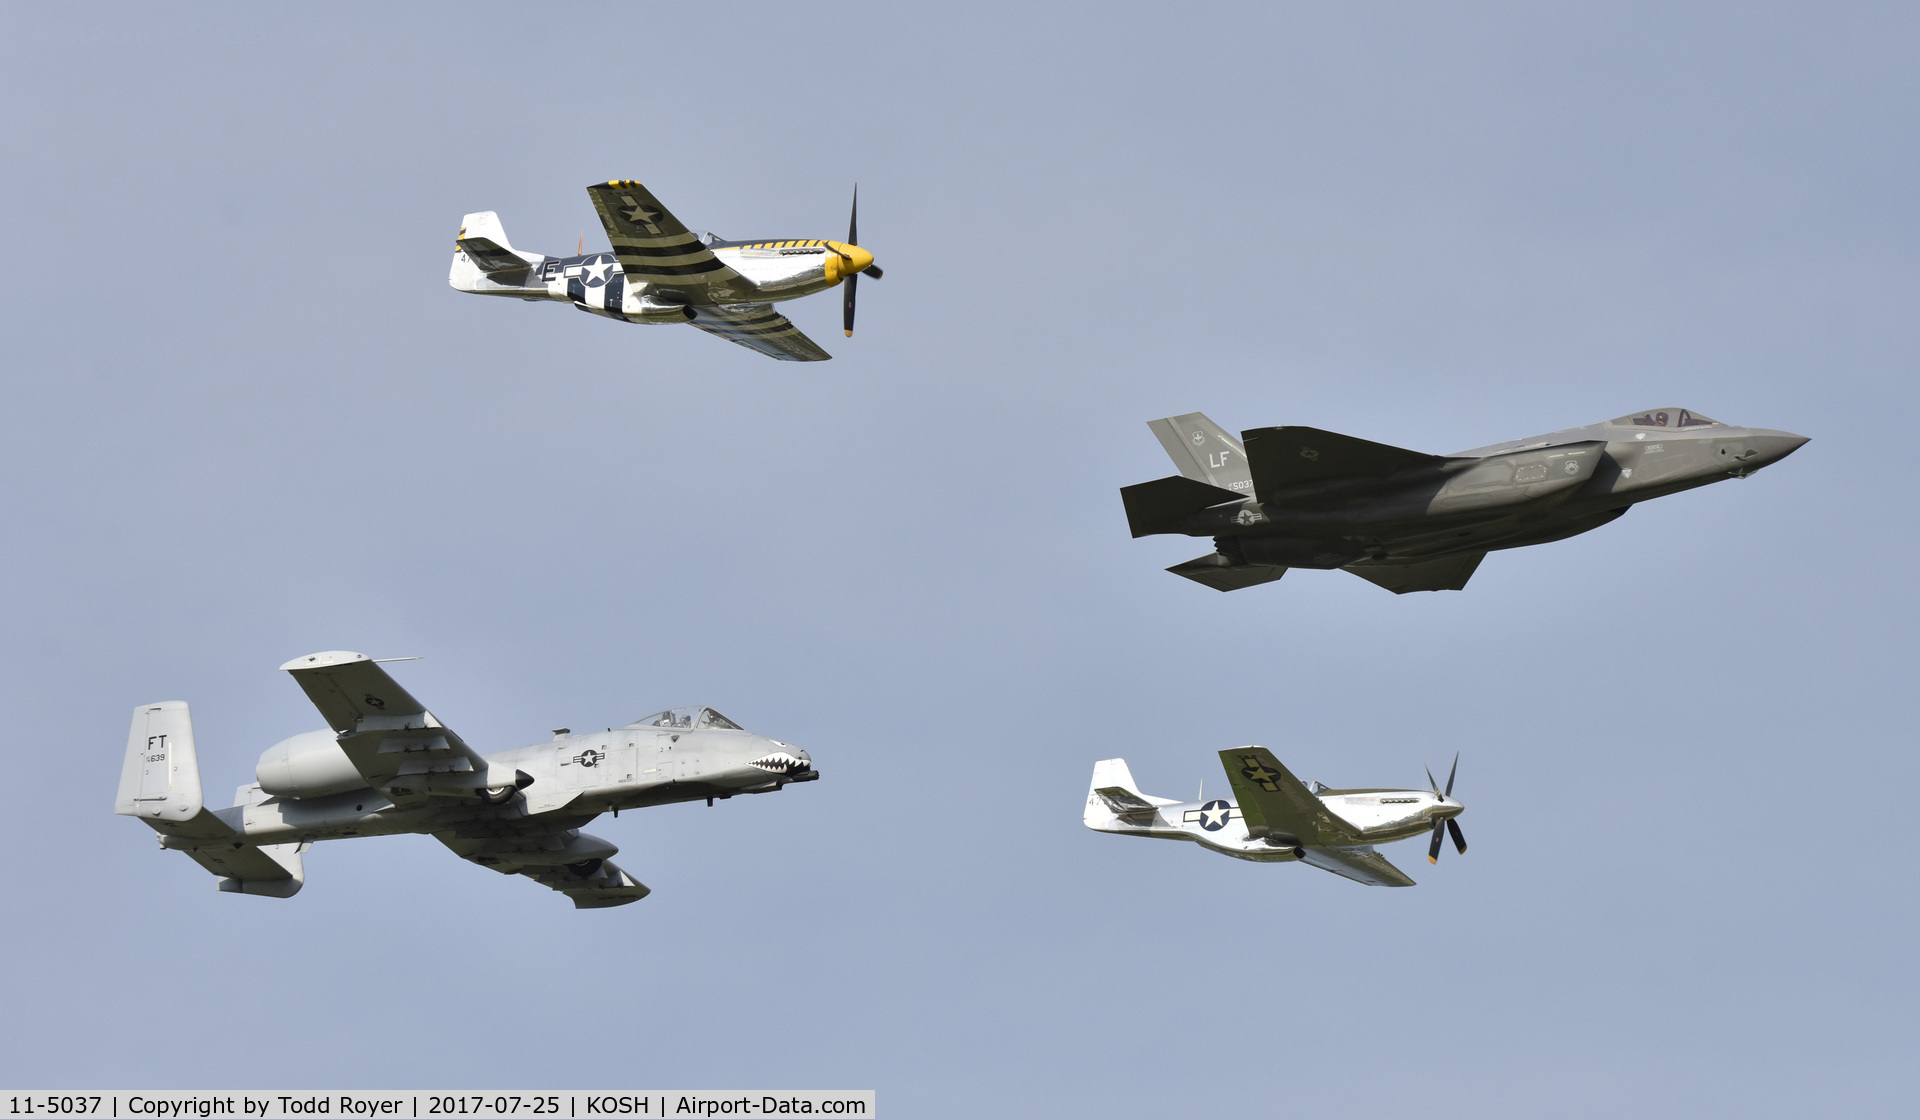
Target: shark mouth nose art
{"x": 781, "y": 762}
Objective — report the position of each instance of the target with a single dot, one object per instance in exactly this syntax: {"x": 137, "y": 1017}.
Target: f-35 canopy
{"x": 692, "y": 719}
{"x": 1663, "y": 418}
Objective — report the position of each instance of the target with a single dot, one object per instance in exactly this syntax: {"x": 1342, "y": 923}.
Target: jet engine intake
{"x": 307, "y": 765}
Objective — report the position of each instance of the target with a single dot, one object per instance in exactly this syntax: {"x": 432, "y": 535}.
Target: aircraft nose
{"x": 1775, "y": 446}
{"x": 844, "y": 260}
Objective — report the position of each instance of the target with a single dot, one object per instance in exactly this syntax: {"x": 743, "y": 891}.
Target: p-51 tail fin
{"x": 484, "y": 240}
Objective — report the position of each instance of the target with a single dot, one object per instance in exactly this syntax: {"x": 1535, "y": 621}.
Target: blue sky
{"x": 245, "y": 419}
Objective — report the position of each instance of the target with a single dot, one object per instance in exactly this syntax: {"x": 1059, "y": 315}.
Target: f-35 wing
{"x": 1357, "y": 862}
{"x": 391, "y": 738}
{"x": 1292, "y": 455}
{"x": 655, "y": 248}
{"x": 757, "y": 326}
{"x": 1449, "y": 573}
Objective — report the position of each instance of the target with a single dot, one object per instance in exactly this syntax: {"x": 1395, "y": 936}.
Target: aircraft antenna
{"x": 581, "y": 249}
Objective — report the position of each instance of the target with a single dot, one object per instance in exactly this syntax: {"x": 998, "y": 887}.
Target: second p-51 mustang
{"x": 661, "y": 272}
{"x": 1276, "y": 818}
{"x": 385, "y": 765}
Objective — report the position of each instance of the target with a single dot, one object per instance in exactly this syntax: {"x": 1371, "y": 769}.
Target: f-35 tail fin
{"x": 1204, "y": 452}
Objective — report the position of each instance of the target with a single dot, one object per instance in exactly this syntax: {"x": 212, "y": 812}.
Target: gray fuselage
{"x": 1524, "y": 492}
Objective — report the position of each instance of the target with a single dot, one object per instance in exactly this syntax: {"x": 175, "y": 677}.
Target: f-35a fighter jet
{"x": 386, "y": 765}
{"x": 1294, "y": 497}
{"x": 1276, "y": 818}
{"x": 662, "y": 272}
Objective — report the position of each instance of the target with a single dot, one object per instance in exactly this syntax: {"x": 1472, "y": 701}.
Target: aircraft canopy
{"x": 1663, "y": 418}
{"x": 689, "y": 718}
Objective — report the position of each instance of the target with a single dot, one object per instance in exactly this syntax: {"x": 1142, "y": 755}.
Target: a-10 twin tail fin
{"x": 160, "y": 784}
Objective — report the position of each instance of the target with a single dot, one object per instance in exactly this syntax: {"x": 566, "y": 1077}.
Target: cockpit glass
{"x": 1665, "y": 418}
{"x": 688, "y": 718}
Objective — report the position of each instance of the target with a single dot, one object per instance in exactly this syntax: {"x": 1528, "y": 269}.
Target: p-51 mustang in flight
{"x": 1275, "y": 818}
{"x": 1296, "y": 497}
{"x": 661, "y": 272}
{"x": 386, "y": 765}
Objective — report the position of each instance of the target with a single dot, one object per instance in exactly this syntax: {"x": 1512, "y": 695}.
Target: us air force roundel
{"x": 1213, "y": 815}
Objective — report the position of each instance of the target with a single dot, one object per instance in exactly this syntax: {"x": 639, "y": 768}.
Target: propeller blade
{"x": 873, "y": 270}
{"x": 1451, "y": 773}
{"x": 1433, "y": 849}
{"x": 853, "y": 238}
{"x": 1459, "y": 841}
{"x": 1435, "y": 785}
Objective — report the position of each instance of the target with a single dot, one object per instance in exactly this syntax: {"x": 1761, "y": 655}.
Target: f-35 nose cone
{"x": 1771, "y": 447}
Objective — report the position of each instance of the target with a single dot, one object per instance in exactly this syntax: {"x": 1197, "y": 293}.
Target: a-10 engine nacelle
{"x": 307, "y": 765}
{"x": 313, "y": 765}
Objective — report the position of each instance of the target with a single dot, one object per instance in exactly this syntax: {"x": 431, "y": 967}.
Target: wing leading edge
{"x": 656, "y": 248}
{"x": 1276, "y": 805}
{"x": 391, "y": 738}
{"x": 758, "y": 327}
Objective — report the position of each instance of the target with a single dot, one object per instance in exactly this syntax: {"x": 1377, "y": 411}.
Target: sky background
{"x": 245, "y": 419}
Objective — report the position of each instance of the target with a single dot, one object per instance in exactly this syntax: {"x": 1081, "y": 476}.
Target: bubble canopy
{"x": 691, "y": 719}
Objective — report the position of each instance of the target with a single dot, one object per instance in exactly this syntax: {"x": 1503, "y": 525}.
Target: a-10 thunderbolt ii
{"x": 1297, "y": 497}
{"x": 661, "y": 272}
{"x": 386, "y": 765}
{"x": 1274, "y": 817}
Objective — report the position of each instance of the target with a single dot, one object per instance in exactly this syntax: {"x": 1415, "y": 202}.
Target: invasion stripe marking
{"x": 694, "y": 249}
{"x": 652, "y": 264}
{"x": 764, "y": 332}
{"x": 671, "y": 270}
{"x": 661, "y": 239}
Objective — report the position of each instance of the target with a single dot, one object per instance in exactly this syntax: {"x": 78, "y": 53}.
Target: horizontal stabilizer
{"x": 1449, "y": 573}
{"x": 1163, "y": 505}
{"x": 485, "y": 243}
{"x": 1123, "y": 802}
{"x": 1222, "y": 574}
{"x": 1293, "y": 455}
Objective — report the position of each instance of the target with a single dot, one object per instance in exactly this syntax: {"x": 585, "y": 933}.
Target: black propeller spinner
{"x": 873, "y": 270}
{"x": 1449, "y": 824}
